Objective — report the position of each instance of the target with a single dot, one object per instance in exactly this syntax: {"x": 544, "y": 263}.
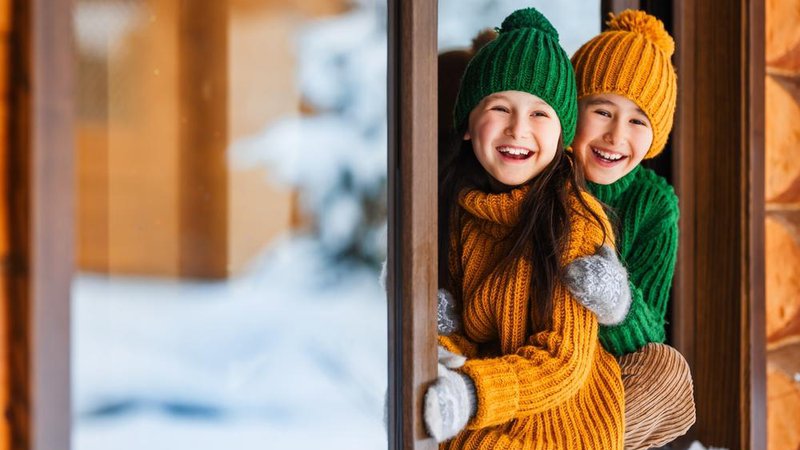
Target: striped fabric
{"x": 659, "y": 400}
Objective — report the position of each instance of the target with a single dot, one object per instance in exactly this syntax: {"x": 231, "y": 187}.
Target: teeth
{"x": 514, "y": 151}
{"x": 609, "y": 156}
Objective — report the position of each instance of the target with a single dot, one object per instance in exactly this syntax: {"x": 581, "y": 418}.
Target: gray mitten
{"x": 449, "y": 320}
{"x": 449, "y": 404}
{"x": 600, "y": 283}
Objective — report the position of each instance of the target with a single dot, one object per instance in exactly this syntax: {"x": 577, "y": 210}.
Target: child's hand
{"x": 449, "y": 403}
{"x": 600, "y": 283}
{"x": 449, "y": 320}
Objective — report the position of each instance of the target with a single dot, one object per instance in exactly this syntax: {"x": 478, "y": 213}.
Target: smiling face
{"x": 514, "y": 135}
{"x": 612, "y": 138}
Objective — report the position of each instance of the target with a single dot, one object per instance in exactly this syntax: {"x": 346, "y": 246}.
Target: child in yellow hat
{"x": 627, "y": 93}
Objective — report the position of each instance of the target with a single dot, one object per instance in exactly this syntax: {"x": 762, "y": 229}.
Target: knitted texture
{"x": 600, "y": 283}
{"x": 552, "y": 389}
{"x": 647, "y": 208}
{"x": 526, "y": 57}
{"x": 659, "y": 396}
{"x": 632, "y": 59}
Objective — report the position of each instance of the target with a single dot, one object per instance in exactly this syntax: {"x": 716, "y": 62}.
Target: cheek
{"x": 482, "y": 129}
{"x": 552, "y": 135}
{"x": 643, "y": 141}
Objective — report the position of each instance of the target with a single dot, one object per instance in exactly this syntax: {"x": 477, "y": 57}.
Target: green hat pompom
{"x": 528, "y": 18}
{"x": 526, "y": 57}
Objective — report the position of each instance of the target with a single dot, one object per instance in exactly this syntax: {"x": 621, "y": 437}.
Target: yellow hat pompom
{"x": 640, "y": 22}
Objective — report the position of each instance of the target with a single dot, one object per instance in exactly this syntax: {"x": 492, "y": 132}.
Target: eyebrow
{"x": 602, "y": 101}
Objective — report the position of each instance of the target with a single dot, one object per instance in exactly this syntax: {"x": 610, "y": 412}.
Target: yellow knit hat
{"x": 632, "y": 59}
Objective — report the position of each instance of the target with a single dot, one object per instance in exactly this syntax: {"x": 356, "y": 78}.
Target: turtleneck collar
{"x": 501, "y": 208}
{"x": 609, "y": 193}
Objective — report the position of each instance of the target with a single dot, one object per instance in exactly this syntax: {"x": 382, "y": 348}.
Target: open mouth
{"x": 608, "y": 158}
{"x": 515, "y": 153}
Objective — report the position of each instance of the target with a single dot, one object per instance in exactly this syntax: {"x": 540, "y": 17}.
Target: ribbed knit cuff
{"x": 459, "y": 345}
{"x": 472, "y": 400}
{"x": 637, "y": 330}
{"x": 497, "y": 391}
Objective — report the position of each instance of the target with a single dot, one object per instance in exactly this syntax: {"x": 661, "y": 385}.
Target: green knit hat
{"x": 525, "y": 57}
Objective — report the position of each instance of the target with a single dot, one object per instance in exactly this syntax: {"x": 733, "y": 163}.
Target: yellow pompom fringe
{"x": 640, "y": 22}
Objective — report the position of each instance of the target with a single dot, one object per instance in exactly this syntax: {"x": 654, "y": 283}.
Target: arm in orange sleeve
{"x": 556, "y": 363}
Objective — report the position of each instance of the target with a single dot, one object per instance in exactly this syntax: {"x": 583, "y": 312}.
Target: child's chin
{"x": 512, "y": 182}
{"x": 603, "y": 176}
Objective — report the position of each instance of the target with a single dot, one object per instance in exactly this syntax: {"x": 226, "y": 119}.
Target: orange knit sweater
{"x": 556, "y": 389}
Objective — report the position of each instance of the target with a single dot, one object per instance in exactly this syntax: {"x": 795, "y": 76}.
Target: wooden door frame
{"x": 40, "y": 262}
{"x": 719, "y": 167}
{"x": 412, "y": 258}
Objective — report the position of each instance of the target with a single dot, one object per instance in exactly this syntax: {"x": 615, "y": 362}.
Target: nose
{"x": 518, "y": 127}
{"x": 614, "y": 132}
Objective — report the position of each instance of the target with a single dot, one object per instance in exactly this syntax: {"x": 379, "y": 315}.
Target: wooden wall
{"x": 158, "y": 115}
{"x": 782, "y": 191}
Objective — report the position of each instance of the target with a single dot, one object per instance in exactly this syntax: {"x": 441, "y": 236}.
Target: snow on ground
{"x": 291, "y": 355}
{"x": 154, "y": 431}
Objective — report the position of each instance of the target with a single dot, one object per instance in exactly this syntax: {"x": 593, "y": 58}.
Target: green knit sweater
{"x": 646, "y": 209}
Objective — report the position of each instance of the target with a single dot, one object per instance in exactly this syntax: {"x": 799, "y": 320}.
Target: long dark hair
{"x": 543, "y": 230}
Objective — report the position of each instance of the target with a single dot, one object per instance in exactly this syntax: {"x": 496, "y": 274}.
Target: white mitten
{"x": 449, "y": 359}
{"x": 449, "y": 404}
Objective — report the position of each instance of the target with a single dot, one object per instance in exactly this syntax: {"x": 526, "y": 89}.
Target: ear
{"x": 467, "y": 135}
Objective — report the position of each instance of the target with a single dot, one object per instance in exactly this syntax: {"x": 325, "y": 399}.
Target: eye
{"x": 540, "y": 114}
{"x": 602, "y": 112}
{"x": 500, "y": 108}
{"x": 639, "y": 122}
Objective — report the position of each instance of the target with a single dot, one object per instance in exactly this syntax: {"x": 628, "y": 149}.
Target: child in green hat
{"x": 524, "y": 368}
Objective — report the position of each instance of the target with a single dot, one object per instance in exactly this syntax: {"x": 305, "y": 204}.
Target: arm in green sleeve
{"x": 651, "y": 266}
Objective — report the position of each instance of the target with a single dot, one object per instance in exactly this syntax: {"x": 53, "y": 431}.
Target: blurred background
{"x": 231, "y": 224}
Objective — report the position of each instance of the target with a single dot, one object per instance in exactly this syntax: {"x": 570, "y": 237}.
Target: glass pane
{"x": 231, "y": 225}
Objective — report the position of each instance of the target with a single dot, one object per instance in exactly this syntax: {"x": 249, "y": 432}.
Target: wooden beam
{"x": 719, "y": 295}
{"x": 203, "y": 71}
{"x": 40, "y": 203}
{"x": 412, "y": 280}
{"x": 5, "y": 216}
